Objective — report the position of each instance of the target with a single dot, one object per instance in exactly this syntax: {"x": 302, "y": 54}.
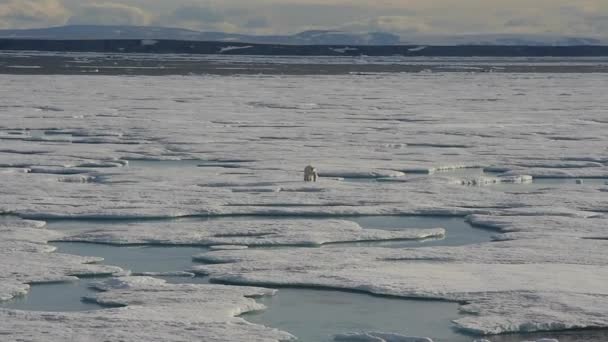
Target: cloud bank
{"x": 109, "y": 14}
{"x": 31, "y": 13}
{"x": 404, "y": 17}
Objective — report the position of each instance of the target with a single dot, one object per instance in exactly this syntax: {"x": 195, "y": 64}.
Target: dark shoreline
{"x": 68, "y": 63}
{"x": 234, "y": 48}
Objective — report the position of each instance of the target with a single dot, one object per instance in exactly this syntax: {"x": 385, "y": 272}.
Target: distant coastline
{"x": 237, "y": 48}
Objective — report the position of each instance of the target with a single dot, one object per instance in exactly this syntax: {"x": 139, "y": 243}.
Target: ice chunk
{"x": 524, "y": 224}
{"x": 127, "y": 283}
{"x": 360, "y": 174}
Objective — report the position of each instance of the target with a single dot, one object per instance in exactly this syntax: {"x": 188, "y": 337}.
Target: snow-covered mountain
{"x": 504, "y": 39}
{"x": 315, "y": 37}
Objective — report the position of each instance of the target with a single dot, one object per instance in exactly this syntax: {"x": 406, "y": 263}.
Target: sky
{"x": 587, "y": 18}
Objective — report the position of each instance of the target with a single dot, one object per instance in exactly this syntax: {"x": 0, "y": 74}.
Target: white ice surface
{"x": 517, "y": 225}
{"x": 256, "y": 134}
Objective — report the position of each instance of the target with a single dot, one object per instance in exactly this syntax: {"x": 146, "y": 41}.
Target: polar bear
{"x": 310, "y": 174}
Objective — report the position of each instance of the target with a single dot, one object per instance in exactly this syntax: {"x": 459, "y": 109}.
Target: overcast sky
{"x": 563, "y": 17}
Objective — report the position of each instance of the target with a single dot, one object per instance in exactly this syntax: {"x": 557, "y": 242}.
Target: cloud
{"x": 197, "y": 14}
{"x": 257, "y": 23}
{"x": 198, "y": 17}
{"x": 397, "y": 24}
{"x": 32, "y": 13}
{"x": 214, "y": 18}
{"x": 452, "y": 17}
{"x": 110, "y": 13}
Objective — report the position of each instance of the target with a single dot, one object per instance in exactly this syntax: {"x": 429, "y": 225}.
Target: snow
{"x": 518, "y": 224}
{"x": 360, "y": 174}
{"x": 344, "y": 49}
{"x": 259, "y": 132}
{"x": 232, "y": 48}
{"x": 416, "y": 49}
{"x": 573, "y": 172}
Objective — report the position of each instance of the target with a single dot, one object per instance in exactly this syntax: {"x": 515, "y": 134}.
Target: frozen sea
{"x": 161, "y": 198}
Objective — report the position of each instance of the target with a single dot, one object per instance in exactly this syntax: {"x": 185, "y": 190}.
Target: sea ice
{"x": 27, "y": 259}
{"x": 351, "y": 126}
{"x": 491, "y": 282}
{"x": 153, "y": 310}
{"x": 254, "y": 232}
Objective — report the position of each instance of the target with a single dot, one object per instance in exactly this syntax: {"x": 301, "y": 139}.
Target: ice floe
{"x": 27, "y": 259}
{"x": 492, "y": 279}
{"x": 284, "y": 232}
{"x": 519, "y": 225}
{"x": 152, "y": 310}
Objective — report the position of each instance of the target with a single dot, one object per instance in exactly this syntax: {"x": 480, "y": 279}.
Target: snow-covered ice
{"x": 63, "y": 155}
{"x": 374, "y": 336}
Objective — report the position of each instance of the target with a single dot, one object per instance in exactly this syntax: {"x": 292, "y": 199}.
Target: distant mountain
{"x": 316, "y": 37}
{"x": 504, "y": 39}
{"x": 81, "y": 32}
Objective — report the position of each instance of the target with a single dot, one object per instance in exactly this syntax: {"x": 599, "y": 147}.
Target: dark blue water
{"x": 316, "y": 315}
{"x": 138, "y": 258}
{"x": 458, "y": 232}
